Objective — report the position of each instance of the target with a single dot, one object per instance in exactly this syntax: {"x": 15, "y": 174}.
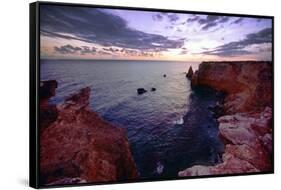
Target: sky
{"x": 68, "y": 32}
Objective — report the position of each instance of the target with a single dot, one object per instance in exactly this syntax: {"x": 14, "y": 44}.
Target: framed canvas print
{"x": 121, "y": 94}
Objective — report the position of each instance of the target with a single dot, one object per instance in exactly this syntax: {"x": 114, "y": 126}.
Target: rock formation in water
{"x": 48, "y": 112}
{"x": 78, "y": 146}
{"x": 246, "y": 125}
{"x": 141, "y": 91}
{"x": 248, "y": 84}
{"x": 189, "y": 73}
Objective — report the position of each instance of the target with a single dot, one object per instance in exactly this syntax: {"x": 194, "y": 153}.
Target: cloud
{"x": 130, "y": 52}
{"x": 238, "y": 21}
{"x": 209, "y": 21}
{"x": 238, "y": 47}
{"x": 173, "y": 17}
{"x": 88, "y": 50}
{"x": 69, "y": 49}
{"x": 264, "y": 49}
{"x": 157, "y": 17}
{"x": 93, "y": 25}
{"x": 171, "y": 27}
{"x": 103, "y": 53}
{"x": 111, "y": 49}
{"x": 183, "y": 52}
{"x": 83, "y": 50}
{"x": 193, "y": 19}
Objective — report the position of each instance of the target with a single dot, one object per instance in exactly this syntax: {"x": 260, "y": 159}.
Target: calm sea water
{"x": 169, "y": 129}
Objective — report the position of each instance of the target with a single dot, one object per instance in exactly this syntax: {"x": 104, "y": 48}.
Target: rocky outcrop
{"x": 80, "y": 147}
{"x": 189, "y": 73}
{"x": 141, "y": 91}
{"x": 248, "y": 145}
{"x": 153, "y": 89}
{"x": 248, "y": 84}
{"x": 245, "y": 126}
{"x": 48, "y": 112}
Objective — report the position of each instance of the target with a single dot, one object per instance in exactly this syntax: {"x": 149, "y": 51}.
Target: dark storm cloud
{"x": 237, "y": 21}
{"x": 237, "y": 47}
{"x": 209, "y": 22}
{"x": 193, "y": 19}
{"x": 157, "y": 17}
{"x": 69, "y": 49}
{"x": 96, "y": 26}
{"x": 173, "y": 17}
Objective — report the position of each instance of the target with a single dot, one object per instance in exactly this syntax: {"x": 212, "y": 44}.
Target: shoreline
{"x": 77, "y": 146}
{"x": 245, "y": 126}
{"x": 239, "y": 105}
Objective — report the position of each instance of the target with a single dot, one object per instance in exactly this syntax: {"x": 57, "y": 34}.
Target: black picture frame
{"x": 34, "y": 83}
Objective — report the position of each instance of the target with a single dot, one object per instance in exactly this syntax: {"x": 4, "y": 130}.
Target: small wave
{"x": 179, "y": 121}
{"x": 159, "y": 168}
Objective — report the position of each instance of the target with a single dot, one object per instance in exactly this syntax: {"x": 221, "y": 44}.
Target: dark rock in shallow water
{"x": 48, "y": 89}
{"x": 48, "y": 112}
{"x": 153, "y": 89}
{"x": 141, "y": 91}
{"x": 217, "y": 110}
{"x": 164, "y": 75}
{"x": 190, "y": 73}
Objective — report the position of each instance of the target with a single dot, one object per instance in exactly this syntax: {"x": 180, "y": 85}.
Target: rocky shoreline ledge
{"x": 77, "y": 146}
{"x": 245, "y": 121}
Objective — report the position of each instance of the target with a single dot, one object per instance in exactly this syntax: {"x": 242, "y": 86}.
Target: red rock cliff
{"x": 246, "y": 125}
{"x": 248, "y": 84}
{"x": 78, "y": 146}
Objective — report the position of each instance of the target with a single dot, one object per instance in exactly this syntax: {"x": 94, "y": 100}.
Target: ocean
{"x": 166, "y": 129}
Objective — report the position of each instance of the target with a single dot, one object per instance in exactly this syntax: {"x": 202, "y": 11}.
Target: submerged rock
{"x": 48, "y": 89}
{"x": 153, "y": 89}
{"x": 141, "y": 91}
{"x": 80, "y": 146}
{"x": 189, "y": 73}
